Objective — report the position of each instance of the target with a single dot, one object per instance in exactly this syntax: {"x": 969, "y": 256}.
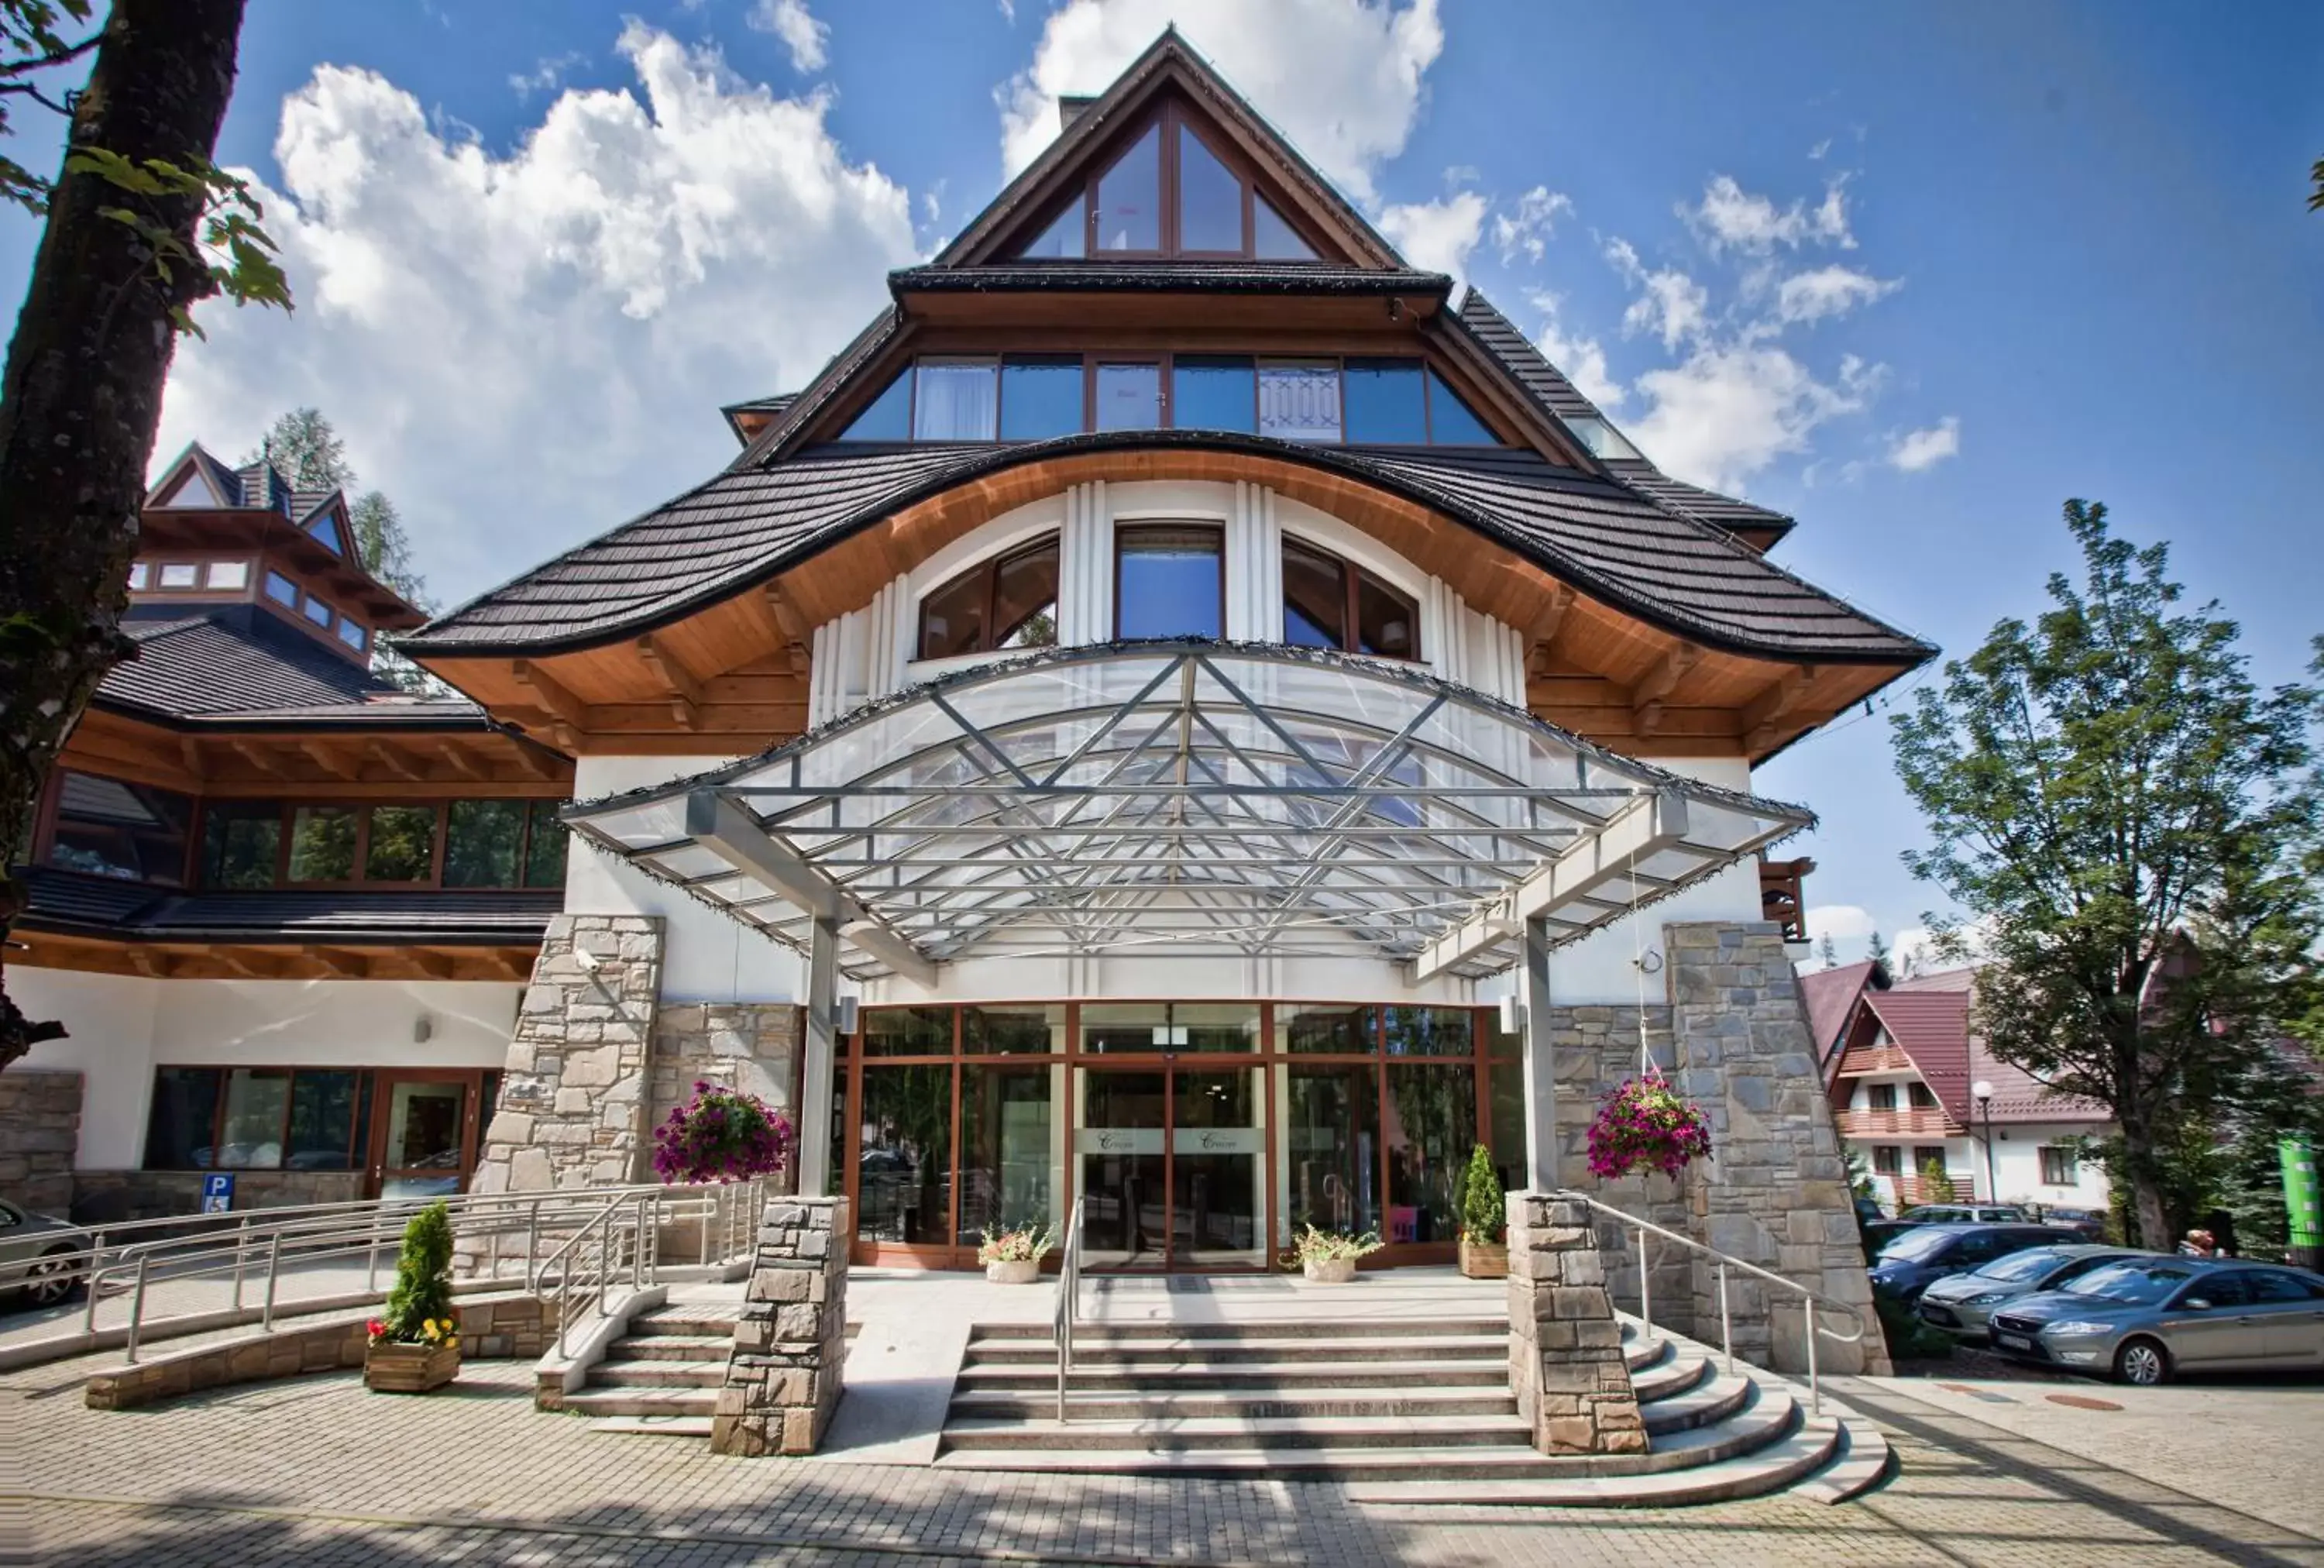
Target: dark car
{"x": 38, "y": 1257}
{"x": 1967, "y": 1214}
{"x": 2144, "y": 1319}
{"x": 1961, "y": 1303}
{"x": 2088, "y": 1223}
{"x": 1908, "y": 1265}
{"x": 1878, "y": 1233}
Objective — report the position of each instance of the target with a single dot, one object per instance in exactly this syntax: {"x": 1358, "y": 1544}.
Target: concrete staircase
{"x": 1400, "y": 1411}
{"x": 662, "y": 1374}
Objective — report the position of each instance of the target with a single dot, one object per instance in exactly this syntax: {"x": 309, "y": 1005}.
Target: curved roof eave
{"x": 981, "y": 463}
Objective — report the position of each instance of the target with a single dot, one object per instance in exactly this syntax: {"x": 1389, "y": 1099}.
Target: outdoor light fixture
{"x": 1984, "y": 1092}
{"x": 587, "y": 959}
{"x": 423, "y": 1029}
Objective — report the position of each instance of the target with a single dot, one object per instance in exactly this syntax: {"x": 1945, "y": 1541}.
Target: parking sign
{"x": 218, "y": 1193}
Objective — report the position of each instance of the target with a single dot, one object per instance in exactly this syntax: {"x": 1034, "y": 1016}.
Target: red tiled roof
{"x": 2018, "y": 1096}
{"x": 1830, "y": 996}
{"x": 1931, "y": 1026}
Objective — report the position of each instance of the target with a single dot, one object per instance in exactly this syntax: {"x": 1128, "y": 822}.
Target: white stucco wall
{"x": 123, "y": 1027}
{"x": 2017, "y": 1165}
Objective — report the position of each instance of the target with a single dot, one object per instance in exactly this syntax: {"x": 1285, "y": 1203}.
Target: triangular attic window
{"x": 1129, "y": 198}
{"x": 1063, "y": 240}
{"x": 1210, "y": 199}
{"x": 326, "y": 530}
{"x": 195, "y": 492}
{"x": 1273, "y": 237}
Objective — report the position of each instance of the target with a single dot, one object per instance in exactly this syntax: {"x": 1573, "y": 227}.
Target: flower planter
{"x": 393, "y": 1367}
{"x": 1331, "y": 1270}
{"x": 1014, "y": 1271}
{"x": 1484, "y": 1259}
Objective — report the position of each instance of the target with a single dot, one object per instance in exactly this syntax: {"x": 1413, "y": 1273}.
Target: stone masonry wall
{"x": 572, "y": 1109}
{"x": 40, "y": 1132}
{"x": 753, "y": 1046}
{"x": 790, "y": 1341}
{"x": 1565, "y": 1348}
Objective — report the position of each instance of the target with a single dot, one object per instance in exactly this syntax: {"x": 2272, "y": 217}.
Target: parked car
{"x": 36, "y": 1257}
{"x": 1967, "y": 1214}
{"x": 2146, "y": 1320}
{"x": 1878, "y": 1233}
{"x": 2088, "y": 1223}
{"x": 1927, "y": 1253}
{"x": 1961, "y": 1303}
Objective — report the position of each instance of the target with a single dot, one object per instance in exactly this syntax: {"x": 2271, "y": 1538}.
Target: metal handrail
{"x": 1069, "y": 1302}
{"x": 570, "y": 1254}
{"x": 309, "y": 1233}
{"x": 1808, "y": 1297}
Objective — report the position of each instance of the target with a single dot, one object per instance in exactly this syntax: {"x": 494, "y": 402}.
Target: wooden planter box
{"x": 1484, "y": 1259}
{"x": 400, "y": 1368}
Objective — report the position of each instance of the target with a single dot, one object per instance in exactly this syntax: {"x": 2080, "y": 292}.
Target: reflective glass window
{"x": 1065, "y": 239}
{"x": 1431, "y": 1130}
{"x": 1009, "y": 601}
{"x": 1450, "y": 421}
{"x": 1128, "y": 397}
{"x": 1040, "y": 398}
{"x": 1329, "y": 1117}
{"x": 907, "y": 1031}
{"x": 1431, "y": 1031}
{"x": 241, "y": 842}
{"x": 1299, "y": 400}
{"x": 1385, "y": 402}
{"x": 955, "y": 399}
{"x": 482, "y": 842}
{"x": 888, "y": 417}
{"x": 1214, "y": 393}
{"x": 1331, "y": 1027}
{"x": 139, "y": 574}
{"x": 182, "y": 1123}
{"x": 1000, "y": 1030}
{"x": 250, "y": 1131}
{"x": 1129, "y": 198}
{"x": 110, "y": 827}
{"x": 180, "y": 574}
{"x": 1119, "y": 1028}
{"x": 325, "y": 532}
{"x": 545, "y": 842}
{"x": 1170, "y": 581}
{"x": 402, "y": 847}
{"x": 353, "y": 635}
{"x": 227, "y": 575}
{"x": 1209, "y": 199}
{"x": 1388, "y": 624}
{"x": 1005, "y": 1166}
{"x": 322, "y": 1120}
{"x": 1315, "y": 598}
{"x": 904, "y": 1164}
{"x": 1272, "y": 238}
{"x": 322, "y": 843}
{"x": 317, "y": 612}
{"x": 282, "y": 590}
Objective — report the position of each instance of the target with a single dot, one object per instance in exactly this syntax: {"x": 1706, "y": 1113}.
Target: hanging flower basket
{"x": 720, "y": 1135}
{"x": 1647, "y": 1124}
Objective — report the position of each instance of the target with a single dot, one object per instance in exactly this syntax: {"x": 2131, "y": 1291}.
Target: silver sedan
{"x": 37, "y": 1255}
{"x": 2146, "y": 1319}
{"x": 1960, "y": 1304}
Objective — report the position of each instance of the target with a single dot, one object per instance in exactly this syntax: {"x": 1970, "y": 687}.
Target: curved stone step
{"x": 1806, "y": 1449}
{"x": 1102, "y": 1439}
{"x": 1036, "y": 1403}
{"x": 1674, "y": 1374}
{"x": 1864, "y": 1460}
{"x": 1714, "y": 1398}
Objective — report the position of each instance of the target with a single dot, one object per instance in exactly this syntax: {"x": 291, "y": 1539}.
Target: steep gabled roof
{"x": 748, "y": 524}
{"x": 1932, "y": 1028}
{"x": 1553, "y": 390}
{"x": 1830, "y": 995}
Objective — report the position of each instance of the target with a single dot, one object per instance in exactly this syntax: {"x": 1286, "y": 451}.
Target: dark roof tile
{"x": 240, "y": 661}
{"x": 62, "y": 900}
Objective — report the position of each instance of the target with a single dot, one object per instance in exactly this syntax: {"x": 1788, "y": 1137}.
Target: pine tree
{"x": 423, "y": 1275}
{"x": 1876, "y": 949}
{"x": 312, "y": 455}
{"x": 1828, "y": 952}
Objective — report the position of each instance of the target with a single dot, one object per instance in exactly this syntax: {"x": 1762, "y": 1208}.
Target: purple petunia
{"x": 1646, "y": 1123}
{"x": 721, "y": 1135}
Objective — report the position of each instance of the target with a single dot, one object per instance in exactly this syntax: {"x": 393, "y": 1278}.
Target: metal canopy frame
{"x": 1189, "y": 797}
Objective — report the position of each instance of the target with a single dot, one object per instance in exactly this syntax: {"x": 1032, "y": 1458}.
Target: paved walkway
{"x": 317, "y": 1470}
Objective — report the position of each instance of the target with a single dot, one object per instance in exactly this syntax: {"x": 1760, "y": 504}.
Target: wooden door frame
{"x": 382, "y": 1079}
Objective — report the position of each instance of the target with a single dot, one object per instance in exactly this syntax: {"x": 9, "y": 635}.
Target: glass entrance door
{"x": 427, "y": 1135}
{"x": 1171, "y": 1168}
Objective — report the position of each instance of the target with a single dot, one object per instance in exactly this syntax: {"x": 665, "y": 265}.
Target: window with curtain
{"x": 1007, "y": 601}
{"x": 955, "y": 399}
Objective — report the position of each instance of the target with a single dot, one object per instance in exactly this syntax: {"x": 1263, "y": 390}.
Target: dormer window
{"x": 180, "y": 575}
{"x": 326, "y": 531}
{"x": 1171, "y": 193}
{"x": 1009, "y": 601}
{"x": 1329, "y": 603}
{"x": 317, "y": 612}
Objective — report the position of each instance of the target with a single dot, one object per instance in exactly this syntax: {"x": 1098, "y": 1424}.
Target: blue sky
{"x": 1913, "y": 274}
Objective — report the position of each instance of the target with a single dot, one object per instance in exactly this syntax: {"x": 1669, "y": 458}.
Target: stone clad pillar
{"x": 790, "y": 1340}
{"x": 1565, "y": 1347}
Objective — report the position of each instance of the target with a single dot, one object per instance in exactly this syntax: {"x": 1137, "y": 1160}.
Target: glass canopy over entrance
{"x": 1190, "y": 798}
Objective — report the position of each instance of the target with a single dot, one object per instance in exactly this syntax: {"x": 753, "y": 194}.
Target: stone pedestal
{"x": 790, "y": 1342}
{"x": 1565, "y": 1348}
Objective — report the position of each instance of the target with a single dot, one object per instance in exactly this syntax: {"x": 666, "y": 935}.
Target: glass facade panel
{"x": 402, "y": 843}
{"x": 482, "y": 842}
{"x": 281, "y": 590}
{"x": 1218, "y": 1147}
{"x": 1330, "y": 1169}
{"x": 1063, "y": 240}
{"x": 1505, "y": 1099}
{"x": 907, "y": 1031}
{"x": 1344, "y": 1031}
{"x": 1025, "y": 597}
{"x": 1214, "y": 394}
{"x": 1431, "y": 1126}
{"x": 888, "y": 417}
{"x": 1124, "y": 1027}
{"x": 1128, "y": 397}
{"x": 955, "y": 401}
{"x": 1315, "y": 598}
{"x": 1214, "y": 1026}
{"x": 1040, "y": 398}
{"x": 1272, "y": 238}
{"x": 1388, "y": 624}
{"x": 952, "y": 617}
{"x": 1014, "y": 1031}
{"x": 241, "y": 844}
{"x": 1385, "y": 402}
{"x": 109, "y": 827}
{"x": 1209, "y": 199}
{"x": 315, "y": 610}
{"x": 322, "y": 843}
{"x": 904, "y": 1163}
{"x": 1171, "y": 582}
{"x": 1123, "y": 1181}
{"x": 1431, "y": 1031}
{"x": 180, "y": 1126}
{"x": 322, "y": 1122}
{"x": 1299, "y": 402}
{"x": 250, "y": 1133}
{"x": 1005, "y": 1150}
{"x": 1129, "y": 198}
{"x": 544, "y": 847}
{"x": 1450, "y": 421}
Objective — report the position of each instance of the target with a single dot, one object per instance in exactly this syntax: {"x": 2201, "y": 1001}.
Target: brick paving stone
{"x": 315, "y": 1470}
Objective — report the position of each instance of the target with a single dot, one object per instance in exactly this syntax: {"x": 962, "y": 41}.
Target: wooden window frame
{"x": 1351, "y": 577}
{"x": 285, "y": 810}
{"x": 2069, "y": 1160}
{"x": 364, "y": 1077}
{"x": 989, "y": 566}
{"x": 1156, "y": 525}
{"x": 43, "y": 841}
{"x": 1172, "y": 119}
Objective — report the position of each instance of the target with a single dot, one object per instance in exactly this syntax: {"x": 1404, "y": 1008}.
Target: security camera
{"x": 587, "y": 959}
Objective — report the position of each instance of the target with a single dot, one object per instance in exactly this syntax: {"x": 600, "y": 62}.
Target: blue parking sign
{"x": 218, "y": 1193}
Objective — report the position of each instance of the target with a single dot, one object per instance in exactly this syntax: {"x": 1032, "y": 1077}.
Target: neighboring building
{"x": 283, "y": 906}
{"x": 1903, "y": 1061}
{"x": 1188, "y": 671}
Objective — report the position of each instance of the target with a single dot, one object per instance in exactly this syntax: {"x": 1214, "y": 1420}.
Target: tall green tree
{"x": 2132, "y": 822}
{"x": 312, "y": 453}
{"x": 141, "y": 227}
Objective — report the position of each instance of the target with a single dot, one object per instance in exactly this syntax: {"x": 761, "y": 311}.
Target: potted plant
{"x": 720, "y": 1135}
{"x": 1647, "y": 1124}
{"x": 1013, "y": 1256}
{"x": 1328, "y": 1258}
{"x": 1484, "y": 1255}
{"x": 414, "y": 1343}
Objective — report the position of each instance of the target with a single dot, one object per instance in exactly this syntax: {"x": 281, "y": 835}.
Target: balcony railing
{"x": 1909, "y": 1190}
{"x": 1781, "y": 898}
{"x": 1920, "y": 1123}
{"x": 1861, "y": 1061}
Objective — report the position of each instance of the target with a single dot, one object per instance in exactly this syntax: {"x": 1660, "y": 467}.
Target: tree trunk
{"x": 81, "y": 396}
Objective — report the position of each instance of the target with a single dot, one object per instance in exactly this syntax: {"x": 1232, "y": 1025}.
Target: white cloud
{"x": 1833, "y": 291}
{"x": 524, "y": 350}
{"x": 1672, "y": 305}
{"x": 1529, "y": 226}
{"x": 1816, "y": 154}
{"x": 1730, "y": 408}
{"x": 1341, "y": 78}
{"x": 1915, "y": 450}
{"x": 545, "y": 74}
{"x": 809, "y": 40}
{"x": 1581, "y": 358}
{"x": 1436, "y": 236}
{"x": 1729, "y": 217}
